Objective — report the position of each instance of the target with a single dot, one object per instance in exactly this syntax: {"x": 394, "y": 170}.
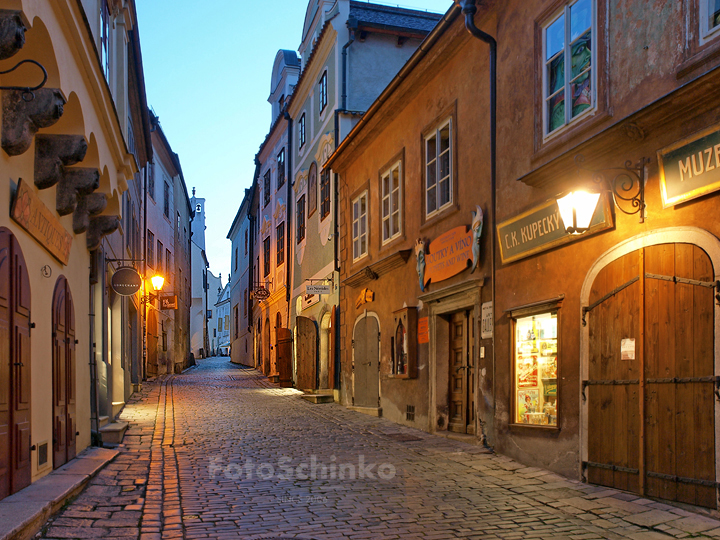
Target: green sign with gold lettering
{"x": 542, "y": 228}
{"x": 690, "y": 168}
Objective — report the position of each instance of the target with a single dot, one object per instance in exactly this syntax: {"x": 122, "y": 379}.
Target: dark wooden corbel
{"x": 75, "y": 181}
{"x": 55, "y": 152}
{"x": 100, "y": 226}
{"x": 88, "y": 205}
{"x": 12, "y": 33}
{"x": 22, "y": 119}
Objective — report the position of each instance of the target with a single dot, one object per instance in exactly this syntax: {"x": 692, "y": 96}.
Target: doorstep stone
{"x": 24, "y": 513}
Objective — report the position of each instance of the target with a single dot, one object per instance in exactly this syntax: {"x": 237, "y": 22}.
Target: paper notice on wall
{"x": 627, "y": 349}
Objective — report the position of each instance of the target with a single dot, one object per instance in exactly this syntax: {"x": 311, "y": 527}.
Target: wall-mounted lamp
{"x": 157, "y": 282}
{"x": 626, "y": 184}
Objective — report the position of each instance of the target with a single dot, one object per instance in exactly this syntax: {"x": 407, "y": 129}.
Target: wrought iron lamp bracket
{"x": 626, "y": 184}
{"x": 28, "y": 92}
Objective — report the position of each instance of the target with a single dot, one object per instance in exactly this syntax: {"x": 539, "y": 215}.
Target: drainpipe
{"x": 288, "y": 213}
{"x": 352, "y": 25}
{"x": 469, "y": 9}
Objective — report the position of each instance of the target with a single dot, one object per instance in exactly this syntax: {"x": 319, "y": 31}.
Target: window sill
{"x": 440, "y": 216}
{"x": 570, "y": 135}
{"x": 698, "y": 60}
{"x": 401, "y": 377}
{"x": 534, "y": 427}
{"x": 390, "y": 244}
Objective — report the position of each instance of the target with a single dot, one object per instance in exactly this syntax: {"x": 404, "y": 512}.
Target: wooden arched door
{"x": 651, "y": 376}
{"x": 266, "y": 348}
{"x": 15, "y": 471}
{"x": 63, "y": 361}
{"x": 366, "y": 354}
{"x": 307, "y": 354}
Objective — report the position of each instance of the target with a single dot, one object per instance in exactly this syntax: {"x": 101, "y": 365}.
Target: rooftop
{"x": 377, "y": 15}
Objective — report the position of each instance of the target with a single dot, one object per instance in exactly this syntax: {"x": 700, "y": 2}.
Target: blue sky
{"x": 207, "y": 71}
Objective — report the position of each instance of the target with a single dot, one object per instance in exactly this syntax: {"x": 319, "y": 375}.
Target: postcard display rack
{"x": 536, "y": 369}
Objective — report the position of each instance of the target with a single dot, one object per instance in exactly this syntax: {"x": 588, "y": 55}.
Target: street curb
{"x": 23, "y": 514}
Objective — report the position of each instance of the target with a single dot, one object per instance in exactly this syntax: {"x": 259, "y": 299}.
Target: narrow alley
{"x": 219, "y": 452}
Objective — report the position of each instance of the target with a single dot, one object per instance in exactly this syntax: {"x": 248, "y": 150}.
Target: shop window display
{"x": 536, "y": 366}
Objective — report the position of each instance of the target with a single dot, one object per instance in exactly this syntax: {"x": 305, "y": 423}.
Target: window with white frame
{"x": 105, "y": 24}
{"x": 266, "y": 189}
{"x": 301, "y": 131}
{"x": 280, "y": 244}
{"x": 359, "y": 226}
{"x": 323, "y": 92}
{"x": 281, "y": 169}
{"x": 324, "y": 194}
{"x": 438, "y": 169}
{"x": 569, "y": 57}
{"x": 709, "y": 18}
{"x": 300, "y": 232}
{"x": 266, "y": 257}
{"x": 391, "y": 202}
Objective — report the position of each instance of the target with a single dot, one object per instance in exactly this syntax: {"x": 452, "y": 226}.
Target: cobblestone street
{"x": 219, "y": 452}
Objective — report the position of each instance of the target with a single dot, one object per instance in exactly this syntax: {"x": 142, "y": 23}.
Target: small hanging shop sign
{"x": 318, "y": 289}
{"x": 169, "y": 301}
{"x": 690, "y": 168}
{"x": 542, "y": 228}
{"x": 40, "y": 222}
{"x": 126, "y": 281}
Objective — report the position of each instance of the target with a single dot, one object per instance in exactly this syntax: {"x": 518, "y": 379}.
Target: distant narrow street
{"x": 219, "y": 452}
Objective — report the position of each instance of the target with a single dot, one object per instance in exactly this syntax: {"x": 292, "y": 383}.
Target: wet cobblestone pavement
{"x": 219, "y": 452}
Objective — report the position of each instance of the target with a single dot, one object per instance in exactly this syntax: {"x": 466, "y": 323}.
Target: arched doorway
{"x": 324, "y": 376}
{"x": 15, "y": 470}
{"x": 306, "y": 354}
{"x": 258, "y": 345}
{"x": 266, "y": 348}
{"x": 152, "y": 343}
{"x": 366, "y": 357}
{"x": 63, "y": 362}
{"x": 649, "y": 370}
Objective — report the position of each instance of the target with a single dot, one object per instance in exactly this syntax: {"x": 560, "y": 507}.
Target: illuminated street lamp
{"x": 577, "y": 209}
{"x": 625, "y": 184}
{"x": 157, "y": 282}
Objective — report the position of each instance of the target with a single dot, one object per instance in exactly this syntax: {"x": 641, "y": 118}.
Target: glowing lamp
{"x": 577, "y": 209}
{"x": 157, "y": 282}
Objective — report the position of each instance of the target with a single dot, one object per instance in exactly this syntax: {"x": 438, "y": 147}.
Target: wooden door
{"x": 306, "y": 354}
{"x": 366, "y": 346}
{"x": 283, "y": 348}
{"x": 15, "y": 471}
{"x": 63, "y": 336}
{"x": 5, "y": 371}
{"x": 332, "y": 354}
{"x": 459, "y": 367}
{"x": 651, "y": 375}
{"x": 152, "y": 342}
{"x": 266, "y": 351}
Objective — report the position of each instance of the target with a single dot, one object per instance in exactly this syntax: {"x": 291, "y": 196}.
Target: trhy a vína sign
{"x": 690, "y": 168}
{"x": 449, "y": 254}
{"x": 126, "y": 281}
{"x": 542, "y": 228}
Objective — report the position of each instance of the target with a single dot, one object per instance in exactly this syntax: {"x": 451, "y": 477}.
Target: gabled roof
{"x": 392, "y": 18}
